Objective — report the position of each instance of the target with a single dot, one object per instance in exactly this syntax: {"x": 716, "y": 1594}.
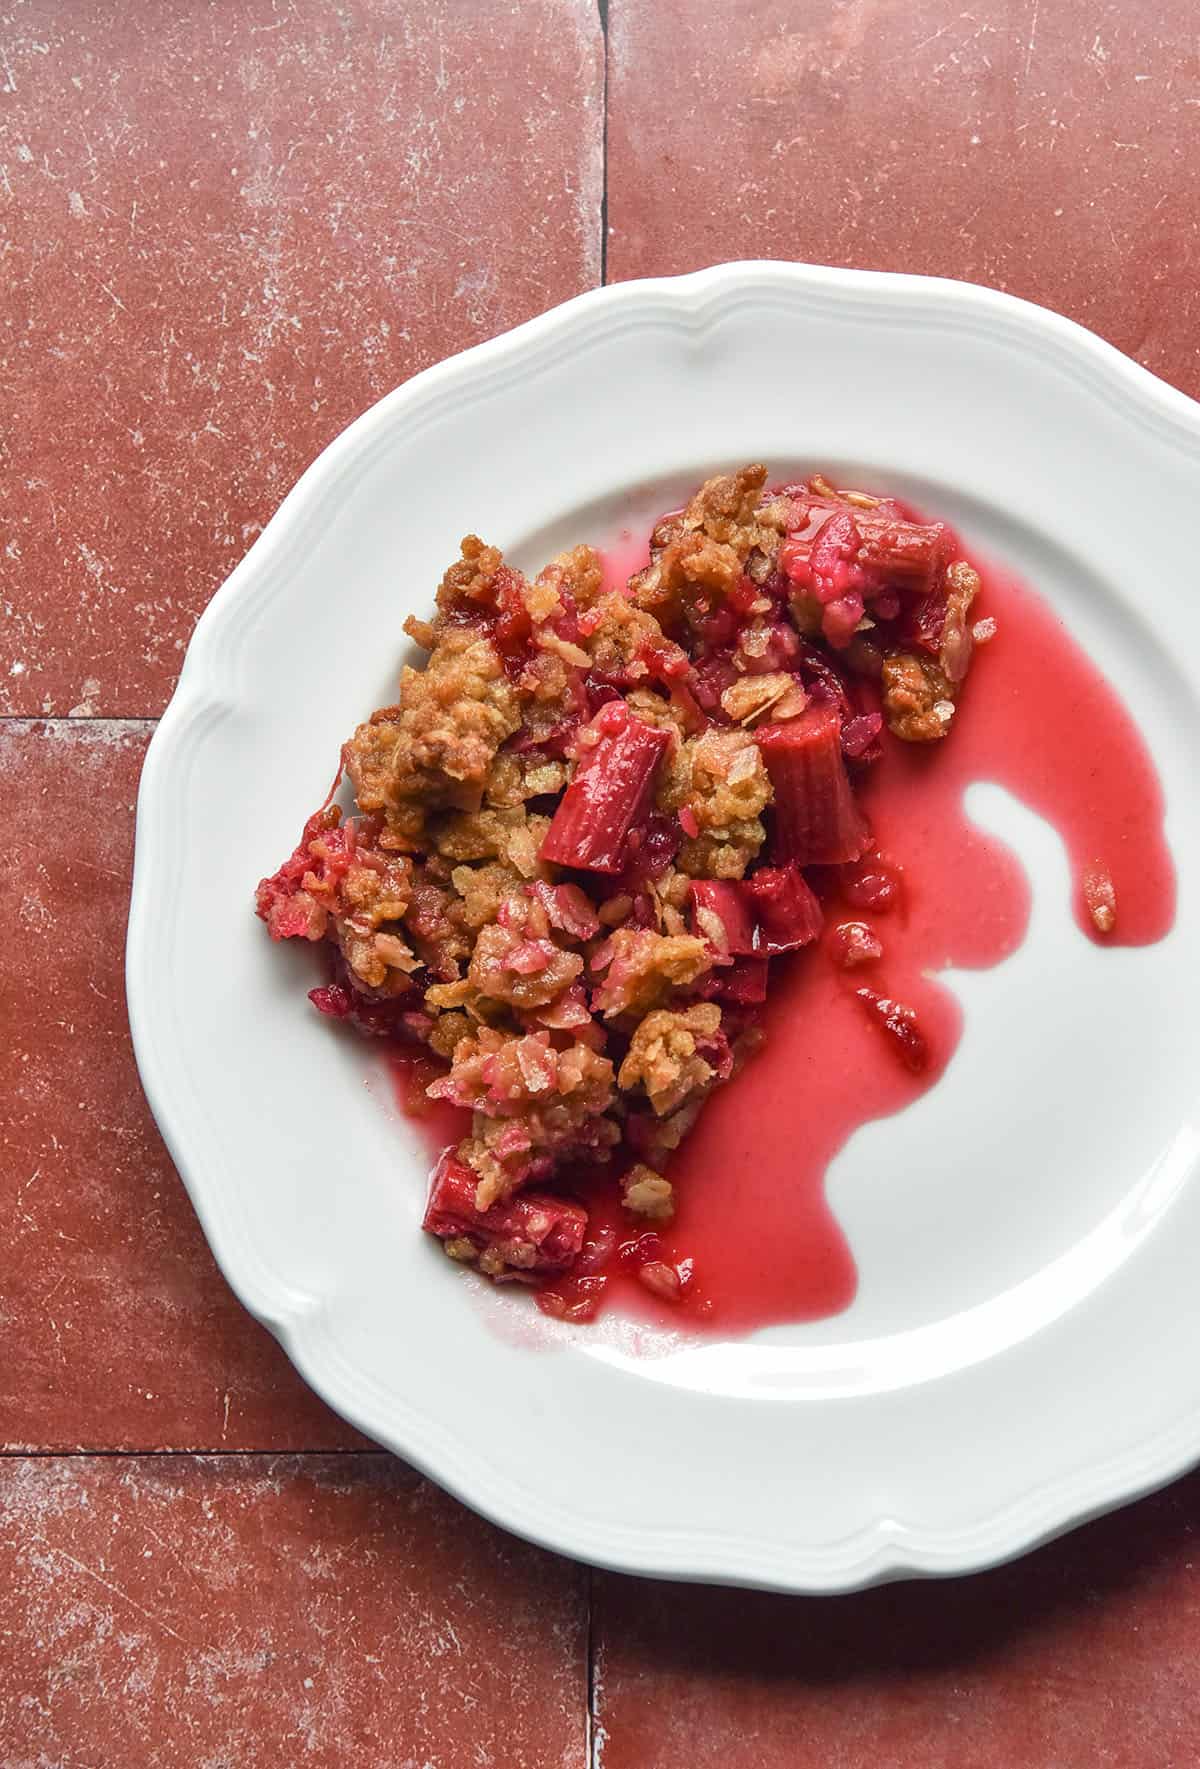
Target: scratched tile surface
{"x": 116, "y": 1329}
{"x": 221, "y": 237}
{"x": 224, "y": 231}
{"x": 1051, "y": 150}
{"x": 265, "y": 1612}
{"x": 1080, "y": 1657}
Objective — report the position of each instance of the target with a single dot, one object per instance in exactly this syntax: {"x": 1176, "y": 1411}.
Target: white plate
{"x": 1022, "y": 1350}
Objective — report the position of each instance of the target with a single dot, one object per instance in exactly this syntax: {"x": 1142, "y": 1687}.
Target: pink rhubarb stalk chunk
{"x": 532, "y": 1233}
{"x": 722, "y": 916}
{"x": 772, "y": 911}
{"x": 817, "y": 822}
{"x": 788, "y": 914}
{"x": 612, "y": 790}
{"x": 898, "y": 1023}
{"x": 880, "y": 544}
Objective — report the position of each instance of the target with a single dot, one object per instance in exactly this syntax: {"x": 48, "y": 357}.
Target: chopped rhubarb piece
{"x": 898, "y": 1023}
{"x": 835, "y": 544}
{"x": 910, "y": 551}
{"x": 376, "y": 1016}
{"x": 788, "y": 913}
{"x": 772, "y": 911}
{"x": 638, "y": 1252}
{"x": 595, "y": 1253}
{"x": 859, "y": 736}
{"x": 332, "y": 1000}
{"x": 874, "y": 884}
{"x": 854, "y": 943}
{"x": 530, "y": 957}
{"x": 744, "y": 595}
{"x": 822, "y": 682}
{"x": 665, "y": 661}
{"x": 643, "y": 910}
{"x": 825, "y": 565}
{"x": 651, "y": 848}
{"x": 281, "y": 901}
{"x": 576, "y": 1300}
{"x": 599, "y": 691}
{"x": 881, "y": 545}
{"x": 667, "y": 1282}
{"x": 525, "y": 1235}
{"x": 722, "y": 916}
{"x": 841, "y": 619}
{"x": 612, "y": 789}
{"x": 512, "y": 628}
{"x": 710, "y": 679}
{"x": 744, "y": 982}
{"x": 1100, "y": 895}
{"x": 817, "y": 822}
{"x": 924, "y": 622}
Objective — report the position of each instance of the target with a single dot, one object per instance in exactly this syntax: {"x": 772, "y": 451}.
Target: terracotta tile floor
{"x": 243, "y": 1610}
{"x": 224, "y": 231}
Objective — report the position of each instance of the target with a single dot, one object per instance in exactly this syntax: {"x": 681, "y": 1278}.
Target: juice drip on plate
{"x": 1037, "y": 717}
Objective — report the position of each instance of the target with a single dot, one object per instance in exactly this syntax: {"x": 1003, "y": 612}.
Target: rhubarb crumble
{"x": 595, "y": 816}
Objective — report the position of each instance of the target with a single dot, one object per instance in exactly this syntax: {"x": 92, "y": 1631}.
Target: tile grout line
{"x": 143, "y": 721}
{"x": 590, "y": 1730}
{"x": 82, "y": 1455}
{"x": 593, "y": 1733}
{"x": 602, "y": 12}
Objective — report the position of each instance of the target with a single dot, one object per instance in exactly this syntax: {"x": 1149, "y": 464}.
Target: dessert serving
{"x": 591, "y": 837}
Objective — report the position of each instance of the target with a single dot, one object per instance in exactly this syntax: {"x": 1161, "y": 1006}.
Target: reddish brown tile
{"x": 1048, "y": 150}
{"x": 116, "y": 1329}
{"x": 254, "y": 1613}
{"x": 1079, "y": 1656}
{"x": 227, "y": 230}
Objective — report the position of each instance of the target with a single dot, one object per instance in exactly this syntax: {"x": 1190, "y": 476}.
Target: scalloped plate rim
{"x": 882, "y": 1549}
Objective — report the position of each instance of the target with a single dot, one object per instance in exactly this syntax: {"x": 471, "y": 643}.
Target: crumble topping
{"x": 592, "y": 818}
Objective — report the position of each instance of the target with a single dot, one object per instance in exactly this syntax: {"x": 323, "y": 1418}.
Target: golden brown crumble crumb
{"x": 579, "y": 572}
{"x": 435, "y": 746}
{"x": 709, "y": 546}
{"x": 447, "y": 1033}
{"x": 648, "y": 1194}
{"x": 499, "y": 961}
{"x": 663, "y": 1057}
{"x": 484, "y": 888}
{"x": 617, "y": 642}
{"x": 719, "y": 777}
{"x": 514, "y": 778}
{"x": 552, "y": 1099}
{"x": 919, "y": 693}
{"x": 642, "y": 967}
{"x": 655, "y": 709}
{"x": 751, "y": 699}
{"x": 918, "y": 701}
{"x": 954, "y": 651}
{"x": 470, "y": 578}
